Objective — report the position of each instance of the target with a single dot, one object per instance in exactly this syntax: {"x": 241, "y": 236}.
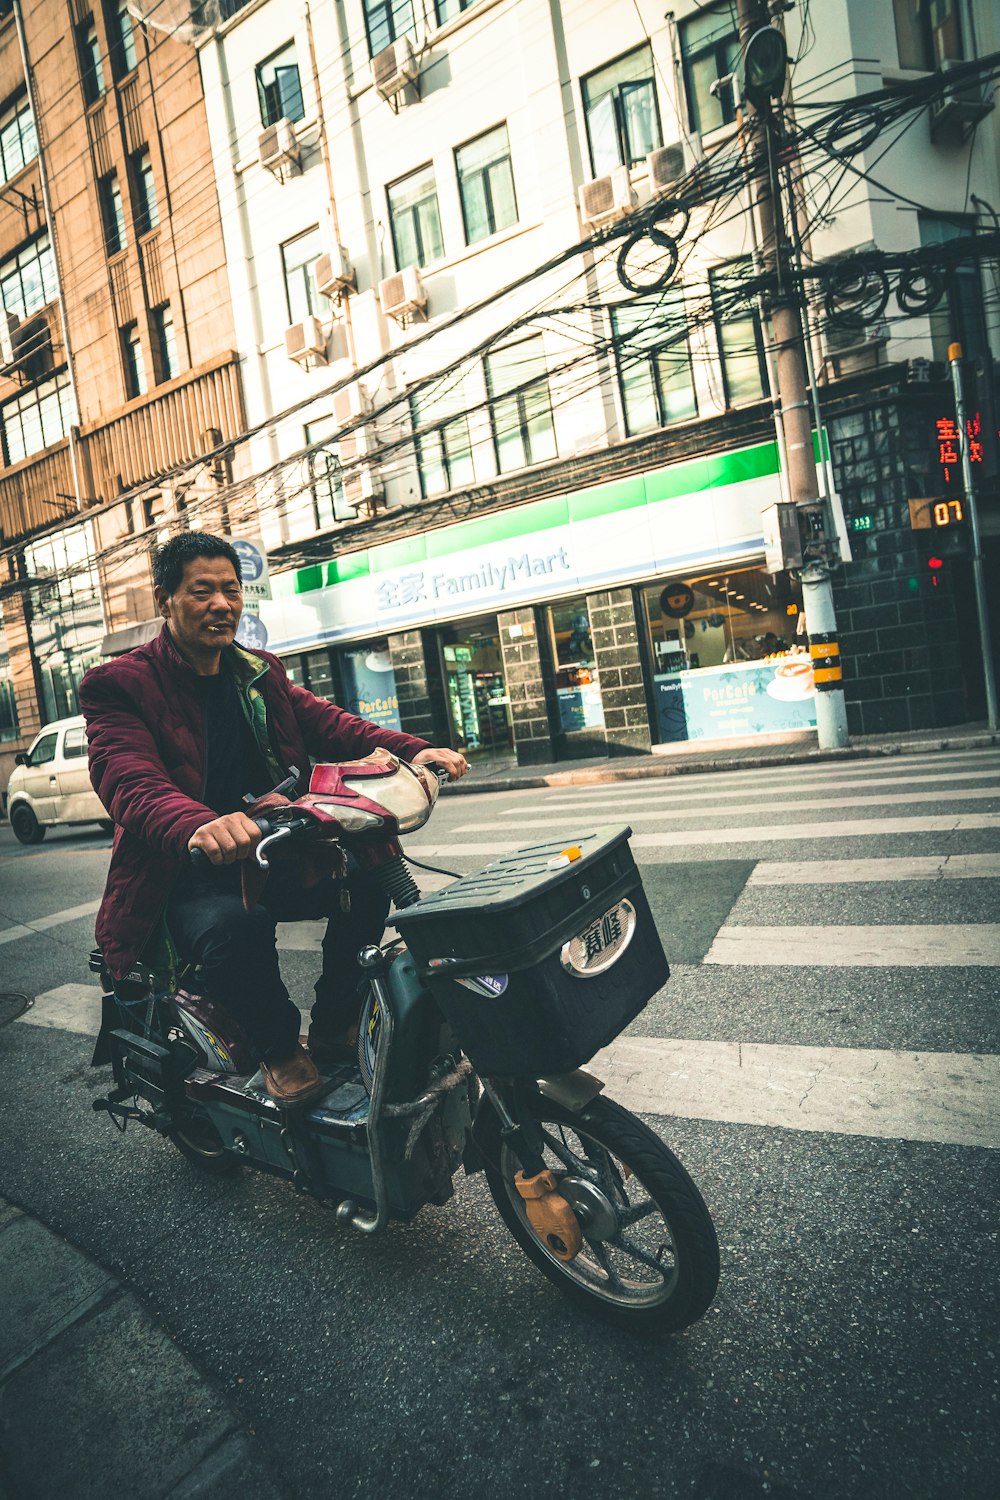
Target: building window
{"x": 486, "y": 185}
{"x": 112, "y": 213}
{"x": 135, "y": 365}
{"x": 623, "y": 122}
{"x": 447, "y": 10}
{"x": 122, "y": 30}
{"x": 326, "y": 477}
{"x": 91, "y": 66}
{"x": 10, "y": 729}
{"x": 741, "y": 343}
{"x": 278, "y": 87}
{"x": 415, "y": 220}
{"x": 654, "y": 362}
{"x": 164, "y": 344}
{"x": 147, "y": 210}
{"x": 18, "y": 139}
{"x": 67, "y": 616}
{"x": 444, "y": 451}
{"x": 298, "y": 259}
{"x": 710, "y": 49}
{"x": 520, "y": 406}
{"x": 28, "y": 279}
{"x": 37, "y": 418}
{"x": 385, "y": 20}
{"x": 928, "y": 33}
{"x": 961, "y": 314}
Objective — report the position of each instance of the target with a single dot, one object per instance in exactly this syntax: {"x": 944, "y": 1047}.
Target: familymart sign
{"x": 682, "y": 518}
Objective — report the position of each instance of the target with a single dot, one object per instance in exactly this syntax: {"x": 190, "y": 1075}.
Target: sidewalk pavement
{"x": 697, "y": 756}
{"x": 95, "y": 1398}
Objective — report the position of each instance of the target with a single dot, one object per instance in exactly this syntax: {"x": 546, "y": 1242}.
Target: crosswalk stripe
{"x": 42, "y": 924}
{"x": 840, "y": 871}
{"x": 657, "y": 792}
{"x": 697, "y": 840}
{"x": 934, "y": 945}
{"x": 641, "y": 815}
{"x": 945, "y": 1097}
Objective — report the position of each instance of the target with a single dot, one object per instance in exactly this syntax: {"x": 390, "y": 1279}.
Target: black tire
{"x": 659, "y": 1277}
{"x": 200, "y": 1142}
{"x": 25, "y": 826}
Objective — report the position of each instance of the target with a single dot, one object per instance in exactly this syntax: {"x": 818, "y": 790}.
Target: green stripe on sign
{"x": 409, "y": 550}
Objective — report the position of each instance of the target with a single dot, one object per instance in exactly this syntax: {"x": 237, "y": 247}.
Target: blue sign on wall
{"x": 370, "y": 686}
{"x": 745, "y": 698}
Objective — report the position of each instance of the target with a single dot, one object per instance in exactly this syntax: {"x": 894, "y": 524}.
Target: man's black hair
{"x": 173, "y": 557}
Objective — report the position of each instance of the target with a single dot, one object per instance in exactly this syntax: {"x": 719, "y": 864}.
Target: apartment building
{"x": 506, "y": 500}
{"x": 117, "y": 360}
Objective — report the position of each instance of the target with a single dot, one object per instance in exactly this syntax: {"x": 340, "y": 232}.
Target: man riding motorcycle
{"x": 179, "y": 731}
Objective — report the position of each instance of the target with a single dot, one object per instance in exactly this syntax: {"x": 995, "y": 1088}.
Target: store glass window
{"x": 710, "y": 50}
{"x": 67, "y": 624}
{"x": 369, "y": 683}
{"x": 444, "y": 450}
{"x": 477, "y": 694}
{"x": 10, "y": 729}
{"x": 486, "y": 185}
{"x": 730, "y": 654}
{"x": 415, "y": 219}
{"x": 279, "y": 90}
{"x": 520, "y": 404}
{"x": 18, "y": 139}
{"x": 654, "y": 362}
{"x": 741, "y": 342}
{"x": 623, "y": 121}
{"x": 40, "y": 417}
{"x": 28, "y": 279}
{"x": 578, "y": 687}
{"x": 298, "y": 260}
{"x": 385, "y": 20}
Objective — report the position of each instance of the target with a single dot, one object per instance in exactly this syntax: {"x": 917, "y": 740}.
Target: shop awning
{"x": 117, "y": 642}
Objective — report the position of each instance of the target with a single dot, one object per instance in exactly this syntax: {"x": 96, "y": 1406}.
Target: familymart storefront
{"x": 627, "y": 614}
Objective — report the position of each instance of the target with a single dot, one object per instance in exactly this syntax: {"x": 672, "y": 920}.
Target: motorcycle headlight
{"x": 351, "y": 819}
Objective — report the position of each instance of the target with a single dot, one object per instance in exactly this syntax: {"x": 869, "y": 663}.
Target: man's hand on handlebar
{"x": 452, "y": 761}
{"x": 226, "y": 840}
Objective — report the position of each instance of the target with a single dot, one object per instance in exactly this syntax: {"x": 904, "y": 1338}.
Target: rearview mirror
{"x": 21, "y": 759}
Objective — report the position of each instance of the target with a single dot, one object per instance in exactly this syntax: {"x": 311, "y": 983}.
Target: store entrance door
{"x": 478, "y": 700}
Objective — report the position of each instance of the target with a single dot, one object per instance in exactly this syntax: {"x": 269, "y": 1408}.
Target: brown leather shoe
{"x": 292, "y": 1080}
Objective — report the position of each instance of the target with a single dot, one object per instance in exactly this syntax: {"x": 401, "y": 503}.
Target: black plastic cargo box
{"x": 543, "y": 957}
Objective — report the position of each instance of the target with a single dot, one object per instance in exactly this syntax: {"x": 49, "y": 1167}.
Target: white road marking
{"x": 657, "y": 791}
{"x": 920, "y": 945}
{"x": 948, "y": 1097}
{"x": 639, "y": 813}
{"x": 840, "y": 871}
{"x": 697, "y": 839}
{"x": 42, "y": 924}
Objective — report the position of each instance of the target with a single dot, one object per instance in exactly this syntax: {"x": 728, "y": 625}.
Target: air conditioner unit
{"x": 665, "y": 168}
{"x": 351, "y": 403}
{"x": 361, "y": 486}
{"x": 608, "y": 198}
{"x": 394, "y": 67}
{"x": 305, "y": 342}
{"x": 954, "y": 112}
{"x": 402, "y": 295}
{"x": 9, "y": 324}
{"x": 278, "y": 147}
{"x": 334, "y": 273}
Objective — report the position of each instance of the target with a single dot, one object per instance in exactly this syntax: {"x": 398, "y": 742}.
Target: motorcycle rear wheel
{"x": 198, "y": 1140}
{"x": 650, "y": 1257}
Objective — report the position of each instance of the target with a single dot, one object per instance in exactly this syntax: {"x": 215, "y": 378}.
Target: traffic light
{"x": 764, "y": 67}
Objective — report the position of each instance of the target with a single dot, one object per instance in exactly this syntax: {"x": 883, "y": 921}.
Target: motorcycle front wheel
{"x": 197, "y": 1138}
{"x": 650, "y": 1258}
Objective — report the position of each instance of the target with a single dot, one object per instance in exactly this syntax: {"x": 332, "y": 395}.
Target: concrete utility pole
{"x": 796, "y": 421}
{"x": 978, "y": 572}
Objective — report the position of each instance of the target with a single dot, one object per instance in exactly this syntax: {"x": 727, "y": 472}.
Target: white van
{"x": 50, "y": 784}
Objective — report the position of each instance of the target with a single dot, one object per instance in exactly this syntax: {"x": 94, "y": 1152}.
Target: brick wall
{"x": 529, "y": 683}
{"x": 615, "y": 631}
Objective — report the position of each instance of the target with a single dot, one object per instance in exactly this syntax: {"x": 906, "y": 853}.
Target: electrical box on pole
{"x": 782, "y": 537}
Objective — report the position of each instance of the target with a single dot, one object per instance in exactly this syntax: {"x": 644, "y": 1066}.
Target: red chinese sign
{"x": 949, "y": 443}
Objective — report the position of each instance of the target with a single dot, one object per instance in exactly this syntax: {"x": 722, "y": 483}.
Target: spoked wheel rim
{"x": 629, "y": 1257}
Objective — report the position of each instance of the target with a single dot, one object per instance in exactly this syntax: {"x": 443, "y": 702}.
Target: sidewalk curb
{"x": 94, "y": 1392}
{"x": 654, "y": 768}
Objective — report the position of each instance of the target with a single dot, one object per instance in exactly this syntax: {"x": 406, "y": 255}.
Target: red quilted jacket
{"x": 146, "y": 732}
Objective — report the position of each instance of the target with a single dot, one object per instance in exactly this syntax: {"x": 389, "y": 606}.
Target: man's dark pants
{"x": 236, "y": 950}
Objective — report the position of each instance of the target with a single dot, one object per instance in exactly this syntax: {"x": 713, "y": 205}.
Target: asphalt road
{"x": 851, "y": 1350}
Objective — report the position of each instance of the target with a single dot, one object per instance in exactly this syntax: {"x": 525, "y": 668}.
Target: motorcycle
{"x": 475, "y": 1023}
